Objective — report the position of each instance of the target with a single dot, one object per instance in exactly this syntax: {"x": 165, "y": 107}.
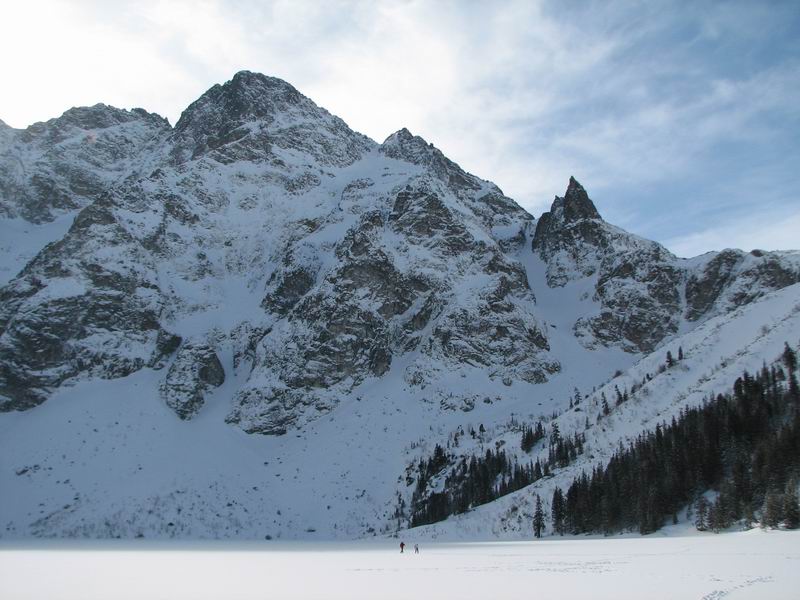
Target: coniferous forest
{"x": 745, "y": 445}
{"x": 482, "y": 479}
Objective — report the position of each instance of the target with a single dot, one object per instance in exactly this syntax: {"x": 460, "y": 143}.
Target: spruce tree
{"x": 527, "y": 439}
{"x": 789, "y": 357}
{"x": 773, "y": 509}
{"x": 791, "y": 508}
{"x": 557, "y": 509}
{"x": 555, "y": 435}
{"x": 701, "y": 514}
{"x": 538, "y": 518}
{"x": 790, "y": 360}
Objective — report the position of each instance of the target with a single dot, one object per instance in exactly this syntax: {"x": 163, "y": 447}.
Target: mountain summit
{"x": 348, "y": 262}
{"x": 576, "y": 203}
{"x": 254, "y": 117}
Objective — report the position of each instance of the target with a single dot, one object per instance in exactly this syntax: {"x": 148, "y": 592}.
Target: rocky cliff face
{"x": 416, "y": 274}
{"x": 263, "y": 228}
{"x": 88, "y": 304}
{"x": 256, "y": 118}
{"x": 643, "y": 292}
{"x": 341, "y": 254}
{"x": 66, "y": 163}
{"x": 195, "y": 370}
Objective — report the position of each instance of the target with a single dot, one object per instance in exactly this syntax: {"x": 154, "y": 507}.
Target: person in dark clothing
{"x": 416, "y": 548}
{"x": 402, "y": 545}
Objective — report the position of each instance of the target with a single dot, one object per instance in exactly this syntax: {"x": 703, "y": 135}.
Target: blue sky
{"x": 681, "y": 119}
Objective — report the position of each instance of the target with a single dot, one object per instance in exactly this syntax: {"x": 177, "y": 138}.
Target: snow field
{"x": 735, "y": 566}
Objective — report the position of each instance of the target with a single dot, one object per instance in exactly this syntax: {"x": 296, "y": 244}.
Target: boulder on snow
{"x": 196, "y": 370}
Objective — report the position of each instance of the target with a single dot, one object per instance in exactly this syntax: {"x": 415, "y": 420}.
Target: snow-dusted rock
{"x": 258, "y": 118}
{"x": 324, "y": 260}
{"x": 365, "y": 298}
{"x": 644, "y": 293}
{"x": 65, "y": 163}
{"x": 196, "y": 369}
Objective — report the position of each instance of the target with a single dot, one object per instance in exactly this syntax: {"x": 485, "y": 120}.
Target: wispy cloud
{"x": 773, "y": 230}
{"x": 680, "y": 118}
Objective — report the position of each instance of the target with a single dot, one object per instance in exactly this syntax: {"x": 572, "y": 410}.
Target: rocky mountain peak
{"x": 101, "y": 116}
{"x": 245, "y": 117}
{"x": 62, "y": 164}
{"x": 247, "y": 96}
{"x": 404, "y": 145}
{"x": 570, "y": 218}
{"x": 575, "y": 205}
{"x": 90, "y": 118}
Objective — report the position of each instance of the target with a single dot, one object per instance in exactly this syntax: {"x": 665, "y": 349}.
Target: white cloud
{"x": 525, "y": 93}
{"x": 765, "y": 232}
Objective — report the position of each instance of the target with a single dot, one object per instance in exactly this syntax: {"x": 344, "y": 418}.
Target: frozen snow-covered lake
{"x": 753, "y": 564}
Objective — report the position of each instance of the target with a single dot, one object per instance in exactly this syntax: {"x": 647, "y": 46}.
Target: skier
{"x": 402, "y": 545}
{"x": 416, "y": 548}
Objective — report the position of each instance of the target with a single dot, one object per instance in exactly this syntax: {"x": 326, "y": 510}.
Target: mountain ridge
{"x": 261, "y": 270}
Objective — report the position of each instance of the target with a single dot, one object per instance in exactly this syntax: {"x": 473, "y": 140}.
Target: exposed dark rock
{"x": 248, "y": 116}
{"x": 732, "y": 278}
{"x": 426, "y": 220}
{"x": 196, "y": 369}
{"x": 702, "y": 290}
{"x": 360, "y": 266}
{"x": 287, "y": 288}
{"x": 67, "y": 314}
{"x": 64, "y": 164}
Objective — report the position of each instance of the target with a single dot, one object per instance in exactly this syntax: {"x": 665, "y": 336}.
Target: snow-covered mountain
{"x": 643, "y": 292}
{"x": 250, "y": 323}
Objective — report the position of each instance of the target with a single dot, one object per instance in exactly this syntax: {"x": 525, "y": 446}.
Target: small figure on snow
{"x": 416, "y": 548}
{"x": 402, "y": 545}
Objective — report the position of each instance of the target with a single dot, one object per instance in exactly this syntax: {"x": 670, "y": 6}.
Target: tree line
{"x": 485, "y": 477}
{"x": 744, "y": 444}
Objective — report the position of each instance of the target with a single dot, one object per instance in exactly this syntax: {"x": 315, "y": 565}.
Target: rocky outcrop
{"x": 572, "y": 238}
{"x": 263, "y": 227}
{"x": 403, "y": 145}
{"x": 636, "y": 282}
{"x": 256, "y": 118}
{"x": 728, "y": 279}
{"x": 421, "y": 275}
{"x": 425, "y": 219}
{"x": 66, "y": 163}
{"x": 87, "y": 305}
{"x": 643, "y": 292}
{"x": 195, "y": 370}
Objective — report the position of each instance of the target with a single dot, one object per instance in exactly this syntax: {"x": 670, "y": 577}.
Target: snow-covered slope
{"x": 643, "y": 293}
{"x": 715, "y": 354}
{"x": 51, "y": 170}
{"x": 261, "y": 268}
